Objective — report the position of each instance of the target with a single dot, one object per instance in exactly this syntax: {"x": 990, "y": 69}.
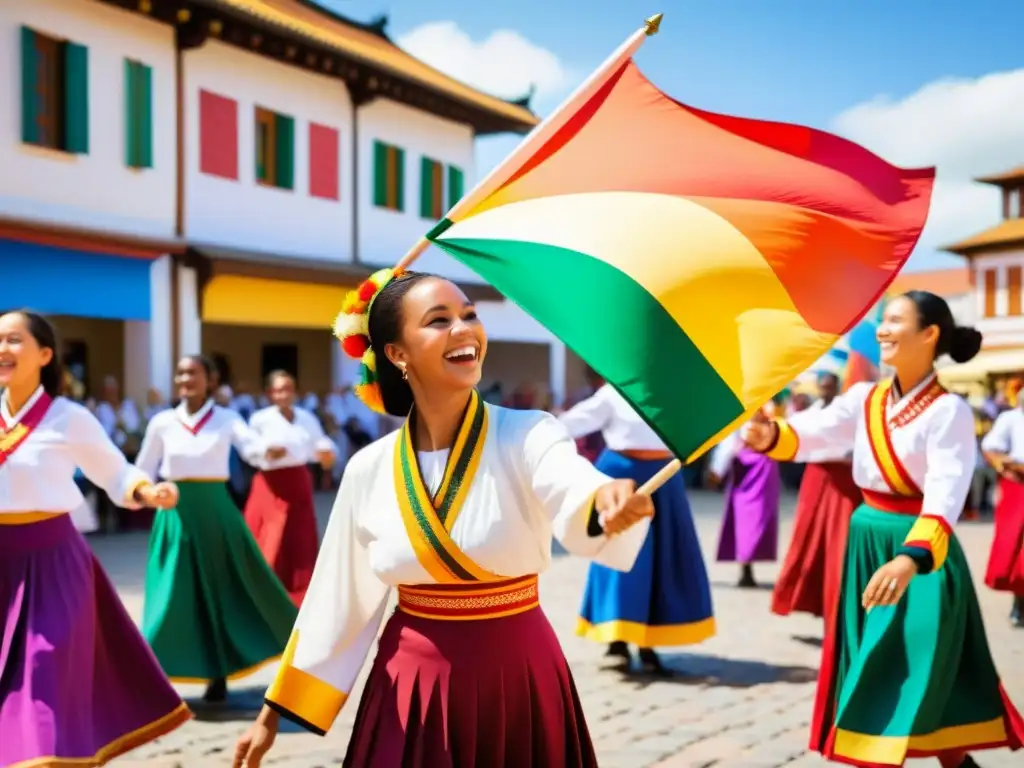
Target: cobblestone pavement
{"x": 745, "y": 702}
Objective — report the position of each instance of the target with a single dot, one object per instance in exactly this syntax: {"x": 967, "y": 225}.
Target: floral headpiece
{"x": 352, "y": 327}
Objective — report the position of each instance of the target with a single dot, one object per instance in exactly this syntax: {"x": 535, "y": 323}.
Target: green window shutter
{"x": 426, "y": 188}
{"x": 29, "y": 86}
{"x": 144, "y": 91}
{"x": 454, "y": 185}
{"x": 284, "y": 152}
{"x": 400, "y": 180}
{"x": 76, "y": 98}
{"x": 131, "y": 128}
{"x": 380, "y": 173}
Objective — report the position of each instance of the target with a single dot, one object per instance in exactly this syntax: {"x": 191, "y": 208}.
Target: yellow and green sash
{"x": 11, "y": 439}
{"x": 428, "y": 519}
{"x": 880, "y": 439}
{"x": 929, "y": 532}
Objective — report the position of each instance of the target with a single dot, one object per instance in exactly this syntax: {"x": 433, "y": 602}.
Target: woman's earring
{"x": 405, "y": 374}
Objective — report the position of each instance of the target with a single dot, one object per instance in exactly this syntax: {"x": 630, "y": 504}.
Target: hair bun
{"x": 965, "y": 343}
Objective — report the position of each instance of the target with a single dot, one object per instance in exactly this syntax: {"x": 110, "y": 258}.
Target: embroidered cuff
{"x": 302, "y": 698}
{"x": 786, "y": 444}
{"x": 927, "y": 543}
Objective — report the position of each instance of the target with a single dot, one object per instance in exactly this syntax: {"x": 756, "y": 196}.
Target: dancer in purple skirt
{"x": 78, "y": 684}
{"x": 750, "y": 528}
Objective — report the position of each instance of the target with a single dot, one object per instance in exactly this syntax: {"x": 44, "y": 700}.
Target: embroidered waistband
{"x": 26, "y": 518}
{"x": 468, "y": 602}
{"x": 890, "y": 502}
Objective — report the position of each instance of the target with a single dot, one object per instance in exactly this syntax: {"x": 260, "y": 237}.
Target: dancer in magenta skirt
{"x": 456, "y": 510}
{"x": 78, "y": 684}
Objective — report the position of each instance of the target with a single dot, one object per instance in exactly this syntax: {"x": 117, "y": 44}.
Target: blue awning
{"x": 62, "y": 281}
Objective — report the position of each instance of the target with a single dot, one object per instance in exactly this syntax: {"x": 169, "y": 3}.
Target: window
{"x": 1013, "y": 278}
{"x": 324, "y": 165}
{"x": 275, "y": 149}
{"x": 218, "y": 135}
{"x": 431, "y": 189}
{"x": 54, "y": 93}
{"x": 138, "y": 90}
{"x": 990, "y": 292}
{"x": 388, "y": 176}
{"x": 455, "y": 182}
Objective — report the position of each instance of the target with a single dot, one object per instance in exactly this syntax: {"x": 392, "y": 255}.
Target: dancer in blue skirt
{"x": 665, "y": 599}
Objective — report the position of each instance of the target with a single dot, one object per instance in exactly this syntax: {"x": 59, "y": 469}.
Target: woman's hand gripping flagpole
{"x": 536, "y": 138}
{"x": 529, "y": 146}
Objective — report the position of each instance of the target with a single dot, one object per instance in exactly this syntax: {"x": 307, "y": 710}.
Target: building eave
{"x": 85, "y": 239}
{"x": 1008, "y": 179}
{"x": 373, "y": 67}
{"x": 212, "y": 260}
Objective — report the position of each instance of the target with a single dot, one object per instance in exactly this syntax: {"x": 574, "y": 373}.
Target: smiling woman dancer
{"x": 78, "y": 685}
{"x": 214, "y": 609}
{"x": 906, "y": 670}
{"x": 457, "y": 510}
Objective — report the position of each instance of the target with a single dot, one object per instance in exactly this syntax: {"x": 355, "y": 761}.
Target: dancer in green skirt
{"x": 214, "y": 609}
{"x": 906, "y": 669}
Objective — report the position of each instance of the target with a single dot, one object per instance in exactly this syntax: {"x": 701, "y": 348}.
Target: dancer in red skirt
{"x": 810, "y": 577}
{"x": 456, "y": 510}
{"x": 280, "y": 510}
{"x": 1003, "y": 446}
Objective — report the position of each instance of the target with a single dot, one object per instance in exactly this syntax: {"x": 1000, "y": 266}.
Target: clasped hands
{"x": 620, "y": 507}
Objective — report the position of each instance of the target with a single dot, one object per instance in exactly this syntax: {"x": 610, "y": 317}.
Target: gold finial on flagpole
{"x": 653, "y": 24}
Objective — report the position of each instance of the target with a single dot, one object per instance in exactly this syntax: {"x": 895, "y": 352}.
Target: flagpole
{"x": 542, "y": 132}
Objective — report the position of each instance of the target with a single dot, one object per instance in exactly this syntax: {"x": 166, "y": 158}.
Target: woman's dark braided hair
{"x": 385, "y": 327}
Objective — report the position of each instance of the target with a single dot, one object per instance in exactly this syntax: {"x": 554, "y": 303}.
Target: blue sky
{"x": 922, "y": 82}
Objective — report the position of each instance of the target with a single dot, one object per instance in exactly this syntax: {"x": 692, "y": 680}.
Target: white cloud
{"x": 964, "y": 127}
{"x": 504, "y": 64}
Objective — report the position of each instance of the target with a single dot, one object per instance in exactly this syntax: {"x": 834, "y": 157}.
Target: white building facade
{"x": 213, "y": 175}
{"x": 995, "y": 258}
{"x": 87, "y": 192}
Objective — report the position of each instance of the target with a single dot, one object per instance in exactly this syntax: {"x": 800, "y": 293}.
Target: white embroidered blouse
{"x": 40, "y": 451}
{"x": 302, "y": 437}
{"x": 197, "y": 446}
{"x": 931, "y": 432}
{"x": 524, "y": 485}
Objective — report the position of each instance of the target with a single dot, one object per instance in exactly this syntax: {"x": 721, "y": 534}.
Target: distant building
{"x": 995, "y": 258}
{"x": 213, "y": 175}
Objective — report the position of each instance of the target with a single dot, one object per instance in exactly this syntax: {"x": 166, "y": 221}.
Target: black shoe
{"x": 747, "y": 578}
{"x": 969, "y": 763}
{"x": 1017, "y": 614}
{"x": 650, "y": 664}
{"x": 618, "y": 648}
{"x": 216, "y": 692}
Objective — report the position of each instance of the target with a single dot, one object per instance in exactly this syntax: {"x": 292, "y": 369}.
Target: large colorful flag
{"x": 698, "y": 262}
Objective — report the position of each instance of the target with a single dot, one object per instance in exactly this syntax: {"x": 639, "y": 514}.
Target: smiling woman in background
{"x": 457, "y": 509}
{"x": 214, "y": 610}
{"x": 78, "y": 686}
{"x": 906, "y": 670}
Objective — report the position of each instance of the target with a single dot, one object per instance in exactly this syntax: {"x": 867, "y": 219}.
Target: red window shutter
{"x": 324, "y": 170}
{"x": 218, "y": 135}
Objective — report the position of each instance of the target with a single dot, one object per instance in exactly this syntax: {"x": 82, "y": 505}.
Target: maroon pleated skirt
{"x": 281, "y": 514}
{"x": 450, "y": 693}
{"x": 810, "y": 576}
{"x": 1006, "y": 560}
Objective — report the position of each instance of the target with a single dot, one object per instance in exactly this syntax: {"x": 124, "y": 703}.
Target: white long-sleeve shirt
{"x": 37, "y": 474}
{"x": 302, "y": 437}
{"x": 197, "y": 446}
{"x": 529, "y": 485}
{"x": 608, "y": 412}
{"x": 1006, "y": 435}
{"x": 936, "y": 443}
